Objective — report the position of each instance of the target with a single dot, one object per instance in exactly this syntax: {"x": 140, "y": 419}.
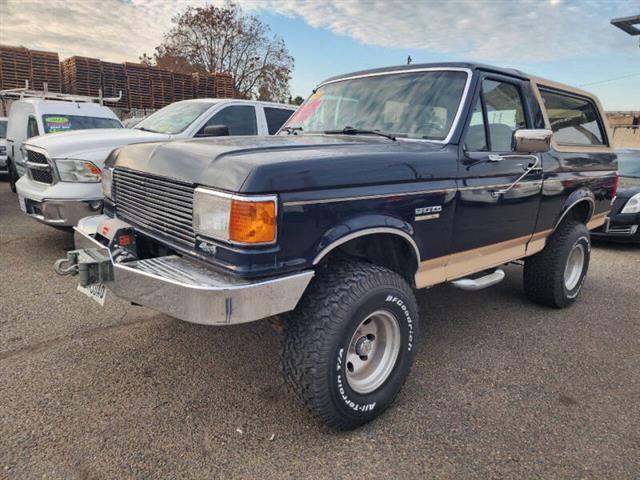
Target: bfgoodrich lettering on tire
{"x": 348, "y": 347}
{"x": 554, "y": 277}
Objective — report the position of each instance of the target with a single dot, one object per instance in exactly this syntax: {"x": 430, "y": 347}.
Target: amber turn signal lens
{"x": 252, "y": 222}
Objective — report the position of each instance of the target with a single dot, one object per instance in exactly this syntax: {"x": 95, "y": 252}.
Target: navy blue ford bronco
{"x": 383, "y": 182}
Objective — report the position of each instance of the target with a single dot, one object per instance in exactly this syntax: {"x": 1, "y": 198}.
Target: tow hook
{"x": 92, "y": 265}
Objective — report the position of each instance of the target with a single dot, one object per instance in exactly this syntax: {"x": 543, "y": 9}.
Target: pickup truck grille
{"x": 39, "y": 168}
{"x": 155, "y": 204}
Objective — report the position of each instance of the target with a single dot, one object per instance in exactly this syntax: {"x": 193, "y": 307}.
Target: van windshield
{"x": 174, "y": 118}
{"x": 66, "y": 123}
{"x": 416, "y": 104}
{"x": 3, "y": 129}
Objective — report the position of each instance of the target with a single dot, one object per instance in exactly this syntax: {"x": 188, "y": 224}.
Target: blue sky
{"x": 569, "y": 41}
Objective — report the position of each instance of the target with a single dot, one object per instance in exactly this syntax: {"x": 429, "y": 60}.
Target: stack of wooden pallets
{"x": 224, "y": 85}
{"x": 114, "y": 81}
{"x": 15, "y": 67}
{"x": 204, "y": 85}
{"x": 182, "y": 86}
{"x": 45, "y": 68}
{"x": 81, "y": 76}
{"x": 138, "y": 85}
{"x": 161, "y": 87}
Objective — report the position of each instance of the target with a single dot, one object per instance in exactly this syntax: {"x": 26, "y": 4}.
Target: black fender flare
{"x": 361, "y": 226}
{"x": 577, "y": 197}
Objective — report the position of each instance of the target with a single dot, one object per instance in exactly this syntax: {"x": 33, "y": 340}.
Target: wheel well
{"x": 384, "y": 249}
{"x": 580, "y": 212}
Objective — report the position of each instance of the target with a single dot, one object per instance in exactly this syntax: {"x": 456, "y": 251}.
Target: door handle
{"x": 533, "y": 166}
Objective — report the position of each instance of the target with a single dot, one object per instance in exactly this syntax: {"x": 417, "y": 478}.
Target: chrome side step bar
{"x": 473, "y": 284}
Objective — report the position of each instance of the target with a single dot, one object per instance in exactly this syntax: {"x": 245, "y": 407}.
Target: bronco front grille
{"x": 39, "y": 168}
{"x": 155, "y": 204}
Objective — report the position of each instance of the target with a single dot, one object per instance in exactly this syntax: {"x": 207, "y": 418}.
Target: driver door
{"x": 496, "y": 210}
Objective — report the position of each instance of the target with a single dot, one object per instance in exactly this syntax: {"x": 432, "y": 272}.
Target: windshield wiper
{"x": 146, "y": 130}
{"x": 357, "y": 131}
{"x": 291, "y": 130}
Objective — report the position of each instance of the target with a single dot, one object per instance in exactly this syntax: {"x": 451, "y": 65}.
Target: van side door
{"x": 496, "y": 209}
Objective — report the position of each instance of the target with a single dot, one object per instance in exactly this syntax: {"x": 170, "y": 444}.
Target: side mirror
{"x": 531, "y": 140}
{"x": 216, "y": 131}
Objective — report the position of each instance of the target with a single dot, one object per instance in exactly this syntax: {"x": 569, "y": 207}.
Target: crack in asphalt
{"x": 45, "y": 344}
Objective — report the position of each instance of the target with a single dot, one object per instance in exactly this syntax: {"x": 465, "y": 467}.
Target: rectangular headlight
{"x": 107, "y": 182}
{"x": 235, "y": 218}
{"x": 71, "y": 170}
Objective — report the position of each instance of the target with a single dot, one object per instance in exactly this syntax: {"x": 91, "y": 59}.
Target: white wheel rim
{"x": 575, "y": 266}
{"x": 373, "y": 352}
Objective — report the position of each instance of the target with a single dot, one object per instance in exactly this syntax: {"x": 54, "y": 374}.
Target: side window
{"x": 241, "y": 120}
{"x": 574, "y": 120}
{"x": 476, "y": 138}
{"x": 505, "y": 113}
{"x": 32, "y": 128}
{"x": 276, "y": 118}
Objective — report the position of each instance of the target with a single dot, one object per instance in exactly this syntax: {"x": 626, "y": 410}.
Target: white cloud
{"x": 493, "y": 30}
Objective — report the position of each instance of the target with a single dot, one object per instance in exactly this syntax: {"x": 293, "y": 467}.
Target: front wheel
{"x": 349, "y": 346}
{"x": 554, "y": 277}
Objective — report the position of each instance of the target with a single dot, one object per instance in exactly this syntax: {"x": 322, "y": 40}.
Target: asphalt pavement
{"x": 501, "y": 388}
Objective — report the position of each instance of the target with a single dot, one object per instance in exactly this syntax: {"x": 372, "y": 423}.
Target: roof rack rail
{"x": 26, "y": 92}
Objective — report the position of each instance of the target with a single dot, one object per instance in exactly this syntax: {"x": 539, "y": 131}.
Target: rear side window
{"x": 276, "y": 118}
{"x": 574, "y": 120}
{"x": 32, "y": 128}
{"x": 3, "y": 129}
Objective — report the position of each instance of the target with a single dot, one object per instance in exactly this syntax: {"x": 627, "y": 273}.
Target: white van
{"x": 63, "y": 184}
{"x": 3, "y": 144}
{"x": 30, "y": 117}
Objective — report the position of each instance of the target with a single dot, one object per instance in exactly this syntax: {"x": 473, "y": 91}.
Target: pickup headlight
{"x": 235, "y": 218}
{"x": 107, "y": 181}
{"x": 77, "y": 171}
{"x": 632, "y": 205}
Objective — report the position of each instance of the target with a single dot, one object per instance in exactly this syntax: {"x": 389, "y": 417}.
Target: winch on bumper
{"x": 175, "y": 285}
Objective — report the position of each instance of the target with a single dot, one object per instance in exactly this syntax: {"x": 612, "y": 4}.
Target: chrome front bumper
{"x": 187, "y": 289}
{"x": 61, "y": 213}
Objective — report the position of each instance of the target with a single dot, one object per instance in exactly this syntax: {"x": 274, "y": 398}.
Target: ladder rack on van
{"x": 25, "y": 92}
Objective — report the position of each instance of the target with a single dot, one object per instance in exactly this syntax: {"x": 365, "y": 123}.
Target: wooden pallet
{"x": 182, "y": 86}
{"x": 161, "y": 87}
{"x": 45, "y": 68}
{"x": 138, "y": 85}
{"x": 204, "y": 85}
{"x": 15, "y": 67}
{"x": 224, "y": 85}
{"x": 114, "y": 81}
{"x": 81, "y": 76}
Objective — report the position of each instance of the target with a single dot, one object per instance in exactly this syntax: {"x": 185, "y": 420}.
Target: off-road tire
{"x": 317, "y": 335}
{"x": 13, "y": 176}
{"x": 544, "y": 272}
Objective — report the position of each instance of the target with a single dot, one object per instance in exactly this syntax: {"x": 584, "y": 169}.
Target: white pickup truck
{"x": 70, "y": 187}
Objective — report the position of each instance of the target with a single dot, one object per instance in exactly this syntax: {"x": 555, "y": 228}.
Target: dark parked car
{"x": 382, "y": 182}
{"x": 623, "y": 223}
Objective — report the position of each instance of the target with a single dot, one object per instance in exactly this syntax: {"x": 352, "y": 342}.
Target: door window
{"x": 240, "y": 119}
{"x": 574, "y": 120}
{"x": 32, "y": 128}
{"x": 476, "y": 139}
{"x": 276, "y": 118}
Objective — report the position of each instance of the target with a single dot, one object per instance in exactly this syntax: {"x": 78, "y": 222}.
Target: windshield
{"x": 410, "y": 105}
{"x": 629, "y": 163}
{"x": 65, "y": 123}
{"x": 174, "y": 118}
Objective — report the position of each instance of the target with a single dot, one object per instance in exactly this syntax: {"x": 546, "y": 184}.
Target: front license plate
{"x": 96, "y": 291}
{"x": 23, "y": 205}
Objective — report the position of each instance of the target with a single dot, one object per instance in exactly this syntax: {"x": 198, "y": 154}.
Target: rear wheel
{"x": 348, "y": 347}
{"x": 554, "y": 277}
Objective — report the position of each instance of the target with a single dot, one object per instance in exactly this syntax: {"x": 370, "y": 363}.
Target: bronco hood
{"x": 78, "y": 143}
{"x": 281, "y": 163}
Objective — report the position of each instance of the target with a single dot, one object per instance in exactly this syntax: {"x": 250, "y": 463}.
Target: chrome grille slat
{"x": 153, "y": 201}
{"x": 157, "y": 205}
{"x": 185, "y": 205}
